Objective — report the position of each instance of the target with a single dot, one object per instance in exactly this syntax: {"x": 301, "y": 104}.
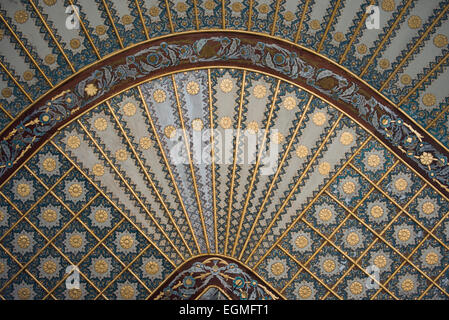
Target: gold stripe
{"x": 298, "y": 33}
{"x": 250, "y": 15}
{"x": 273, "y": 28}
{"x": 106, "y": 7}
{"x": 223, "y": 14}
{"x": 86, "y": 32}
{"x": 6, "y": 112}
{"x": 278, "y": 170}
{"x": 168, "y": 167}
{"x": 36, "y": 65}
{"x": 293, "y": 190}
{"x": 142, "y": 20}
{"x": 17, "y": 84}
{"x": 356, "y": 32}
{"x": 144, "y": 169}
{"x": 256, "y": 167}
{"x": 172, "y": 29}
{"x": 329, "y": 24}
{"x": 385, "y": 38}
{"x": 144, "y": 207}
{"x": 434, "y": 120}
{"x": 212, "y": 153}
{"x": 298, "y": 218}
{"x": 189, "y": 156}
{"x": 195, "y": 9}
{"x": 52, "y": 36}
{"x": 412, "y": 50}
{"x": 112, "y": 202}
{"x": 234, "y": 162}
{"x": 437, "y": 66}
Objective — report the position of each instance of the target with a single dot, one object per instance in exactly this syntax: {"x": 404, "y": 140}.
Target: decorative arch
{"x": 297, "y": 65}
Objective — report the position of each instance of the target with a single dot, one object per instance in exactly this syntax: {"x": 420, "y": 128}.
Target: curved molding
{"x": 281, "y": 59}
{"x": 237, "y": 282}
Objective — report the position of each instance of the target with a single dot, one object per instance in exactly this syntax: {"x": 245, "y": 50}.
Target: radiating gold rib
{"x": 131, "y": 190}
{"x": 276, "y": 13}
{"x": 234, "y": 161}
{"x": 86, "y": 32}
{"x": 114, "y": 27}
{"x": 50, "y": 32}
{"x": 297, "y": 183}
{"x": 250, "y": 15}
{"x": 167, "y": 6}
{"x": 116, "y": 207}
{"x": 167, "y": 165}
{"x": 16, "y": 82}
{"x": 328, "y": 26}
{"x": 278, "y": 170}
{"x": 415, "y": 46}
{"x": 436, "y": 67}
{"x": 6, "y": 112}
{"x": 354, "y": 35}
{"x": 148, "y": 177}
{"x": 315, "y": 198}
{"x": 439, "y": 115}
{"x": 385, "y": 38}
{"x": 223, "y": 14}
{"x": 256, "y": 167}
{"x": 195, "y": 10}
{"x": 301, "y": 21}
{"x": 189, "y": 157}
{"x": 302, "y": 267}
{"x": 212, "y": 156}
{"x": 29, "y": 55}
{"x": 142, "y": 20}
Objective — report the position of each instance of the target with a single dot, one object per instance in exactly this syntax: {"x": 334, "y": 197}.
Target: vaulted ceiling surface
{"x": 106, "y": 193}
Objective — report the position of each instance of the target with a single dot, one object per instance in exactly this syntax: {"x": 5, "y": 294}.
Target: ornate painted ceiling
{"x": 224, "y": 150}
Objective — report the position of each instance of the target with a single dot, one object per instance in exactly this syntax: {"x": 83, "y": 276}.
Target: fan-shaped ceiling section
{"x": 131, "y": 182}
